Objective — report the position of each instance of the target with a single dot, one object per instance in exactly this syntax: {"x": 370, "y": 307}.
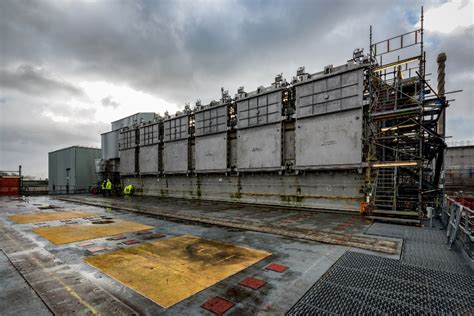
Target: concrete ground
{"x": 55, "y": 278}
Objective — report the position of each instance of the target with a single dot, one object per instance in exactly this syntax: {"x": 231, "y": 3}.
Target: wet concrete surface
{"x": 289, "y": 217}
{"x": 62, "y": 279}
{"x": 16, "y": 295}
{"x": 332, "y": 228}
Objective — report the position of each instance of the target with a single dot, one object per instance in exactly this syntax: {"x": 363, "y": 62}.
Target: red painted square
{"x": 276, "y": 267}
{"x": 131, "y": 242}
{"x": 253, "y": 283}
{"x": 218, "y": 305}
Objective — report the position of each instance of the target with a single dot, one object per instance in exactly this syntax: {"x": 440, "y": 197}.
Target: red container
{"x": 9, "y": 185}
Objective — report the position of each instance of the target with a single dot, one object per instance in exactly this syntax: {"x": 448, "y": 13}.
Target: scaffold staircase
{"x": 401, "y": 131}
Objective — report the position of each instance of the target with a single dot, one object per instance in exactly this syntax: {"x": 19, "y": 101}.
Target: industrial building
{"x": 72, "y": 169}
{"x": 366, "y": 135}
{"x": 309, "y": 154}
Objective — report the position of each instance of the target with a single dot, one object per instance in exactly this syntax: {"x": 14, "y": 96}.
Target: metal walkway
{"x": 428, "y": 279}
{"x": 364, "y": 284}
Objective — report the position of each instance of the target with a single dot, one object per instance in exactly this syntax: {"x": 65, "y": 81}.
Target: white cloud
{"x": 449, "y": 16}
{"x": 131, "y": 101}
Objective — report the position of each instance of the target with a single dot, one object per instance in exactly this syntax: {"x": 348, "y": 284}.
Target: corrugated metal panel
{"x": 175, "y": 157}
{"x": 176, "y": 128}
{"x": 9, "y": 186}
{"x": 85, "y": 173}
{"x": 261, "y": 109}
{"x": 62, "y": 160}
{"x": 331, "y": 139}
{"x": 109, "y": 145}
{"x": 148, "y": 159}
{"x": 330, "y": 93}
{"x": 259, "y": 148}
{"x": 81, "y": 164}
{"x": 211, "y": 153}
{"x": 211, "y": 120}
{"x": 149, "y": 134}
{"x": 133, "y": 119}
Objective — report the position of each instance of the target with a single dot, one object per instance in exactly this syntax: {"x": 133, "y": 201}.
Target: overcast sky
{"x": 69, "y": 68}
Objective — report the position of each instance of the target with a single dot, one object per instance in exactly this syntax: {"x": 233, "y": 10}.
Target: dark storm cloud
{"x": 34, "y": 81}
{"x": 185, "y": 50}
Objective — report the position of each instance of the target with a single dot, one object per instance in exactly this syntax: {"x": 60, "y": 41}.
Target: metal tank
{"x": 109, "y": 145}
{"x": 149, "y": 155}
{"x": 259, "y": 129}
{"x": 211, "y": 138}
{"x": 176, "y": 144}
{"x": 128, "y": 151}
{"x": 329, "y": 118}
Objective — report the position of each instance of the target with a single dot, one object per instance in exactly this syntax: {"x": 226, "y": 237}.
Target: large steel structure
{"x": 405, "y": 147}
{"x": 365, "y": 131}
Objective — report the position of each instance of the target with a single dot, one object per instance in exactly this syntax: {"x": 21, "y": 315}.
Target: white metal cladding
{"x": 175, "y": 157}
{"x": 109, "y": 145}
{"x": 259, "y": 148}
{"x": 260, "y": 110}
{"x": 148, "y": 159}
{"x": 127, "y": 161}
{"x": 149, "y": 134}
{"x": 176, "y": 128}
{"x": 211, "y": 120}
{"x": 331, "y": 139}
{"x": 133, "y": 119}
{"x": 211, "y": 153}
{"x": 128, "y": 139}
{"x": 331, "y": 93}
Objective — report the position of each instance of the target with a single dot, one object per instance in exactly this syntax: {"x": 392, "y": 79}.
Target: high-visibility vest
{"x": 102, "y": 185}
{"x": 108, "y": 186}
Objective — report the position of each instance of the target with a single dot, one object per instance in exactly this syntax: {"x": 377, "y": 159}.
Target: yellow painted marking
{"x": 47, "y": 216}
{"x": 171, "y": 270}
{"x": 71, "y": 233}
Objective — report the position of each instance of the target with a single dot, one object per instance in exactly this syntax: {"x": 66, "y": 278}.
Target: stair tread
{"x": 395, "y": 220}
{"x": 389, "y": 212}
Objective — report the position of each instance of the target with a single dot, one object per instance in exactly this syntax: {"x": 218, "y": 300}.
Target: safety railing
{"x": 459, "y": 218}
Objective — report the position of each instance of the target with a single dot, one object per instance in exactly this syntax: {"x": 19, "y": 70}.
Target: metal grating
{"x": 365, "y": 284}
{"x": 423, "y": 247}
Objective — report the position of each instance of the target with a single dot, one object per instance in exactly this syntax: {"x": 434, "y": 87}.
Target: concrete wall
{"x": 321, "y": 190}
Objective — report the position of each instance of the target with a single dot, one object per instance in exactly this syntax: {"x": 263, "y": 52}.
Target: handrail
{"x": 467, "y": 216}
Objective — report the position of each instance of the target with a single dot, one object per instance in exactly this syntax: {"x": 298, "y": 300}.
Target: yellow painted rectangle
{"x": 71, "y": 233}
{"x": 170, "y": 270}
{"x": 48, "y": 216}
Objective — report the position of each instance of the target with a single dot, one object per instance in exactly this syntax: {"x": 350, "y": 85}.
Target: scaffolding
{"x": 405, "y": 149}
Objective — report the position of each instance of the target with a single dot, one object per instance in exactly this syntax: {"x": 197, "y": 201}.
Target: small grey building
{"x": 72, "y": 169}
